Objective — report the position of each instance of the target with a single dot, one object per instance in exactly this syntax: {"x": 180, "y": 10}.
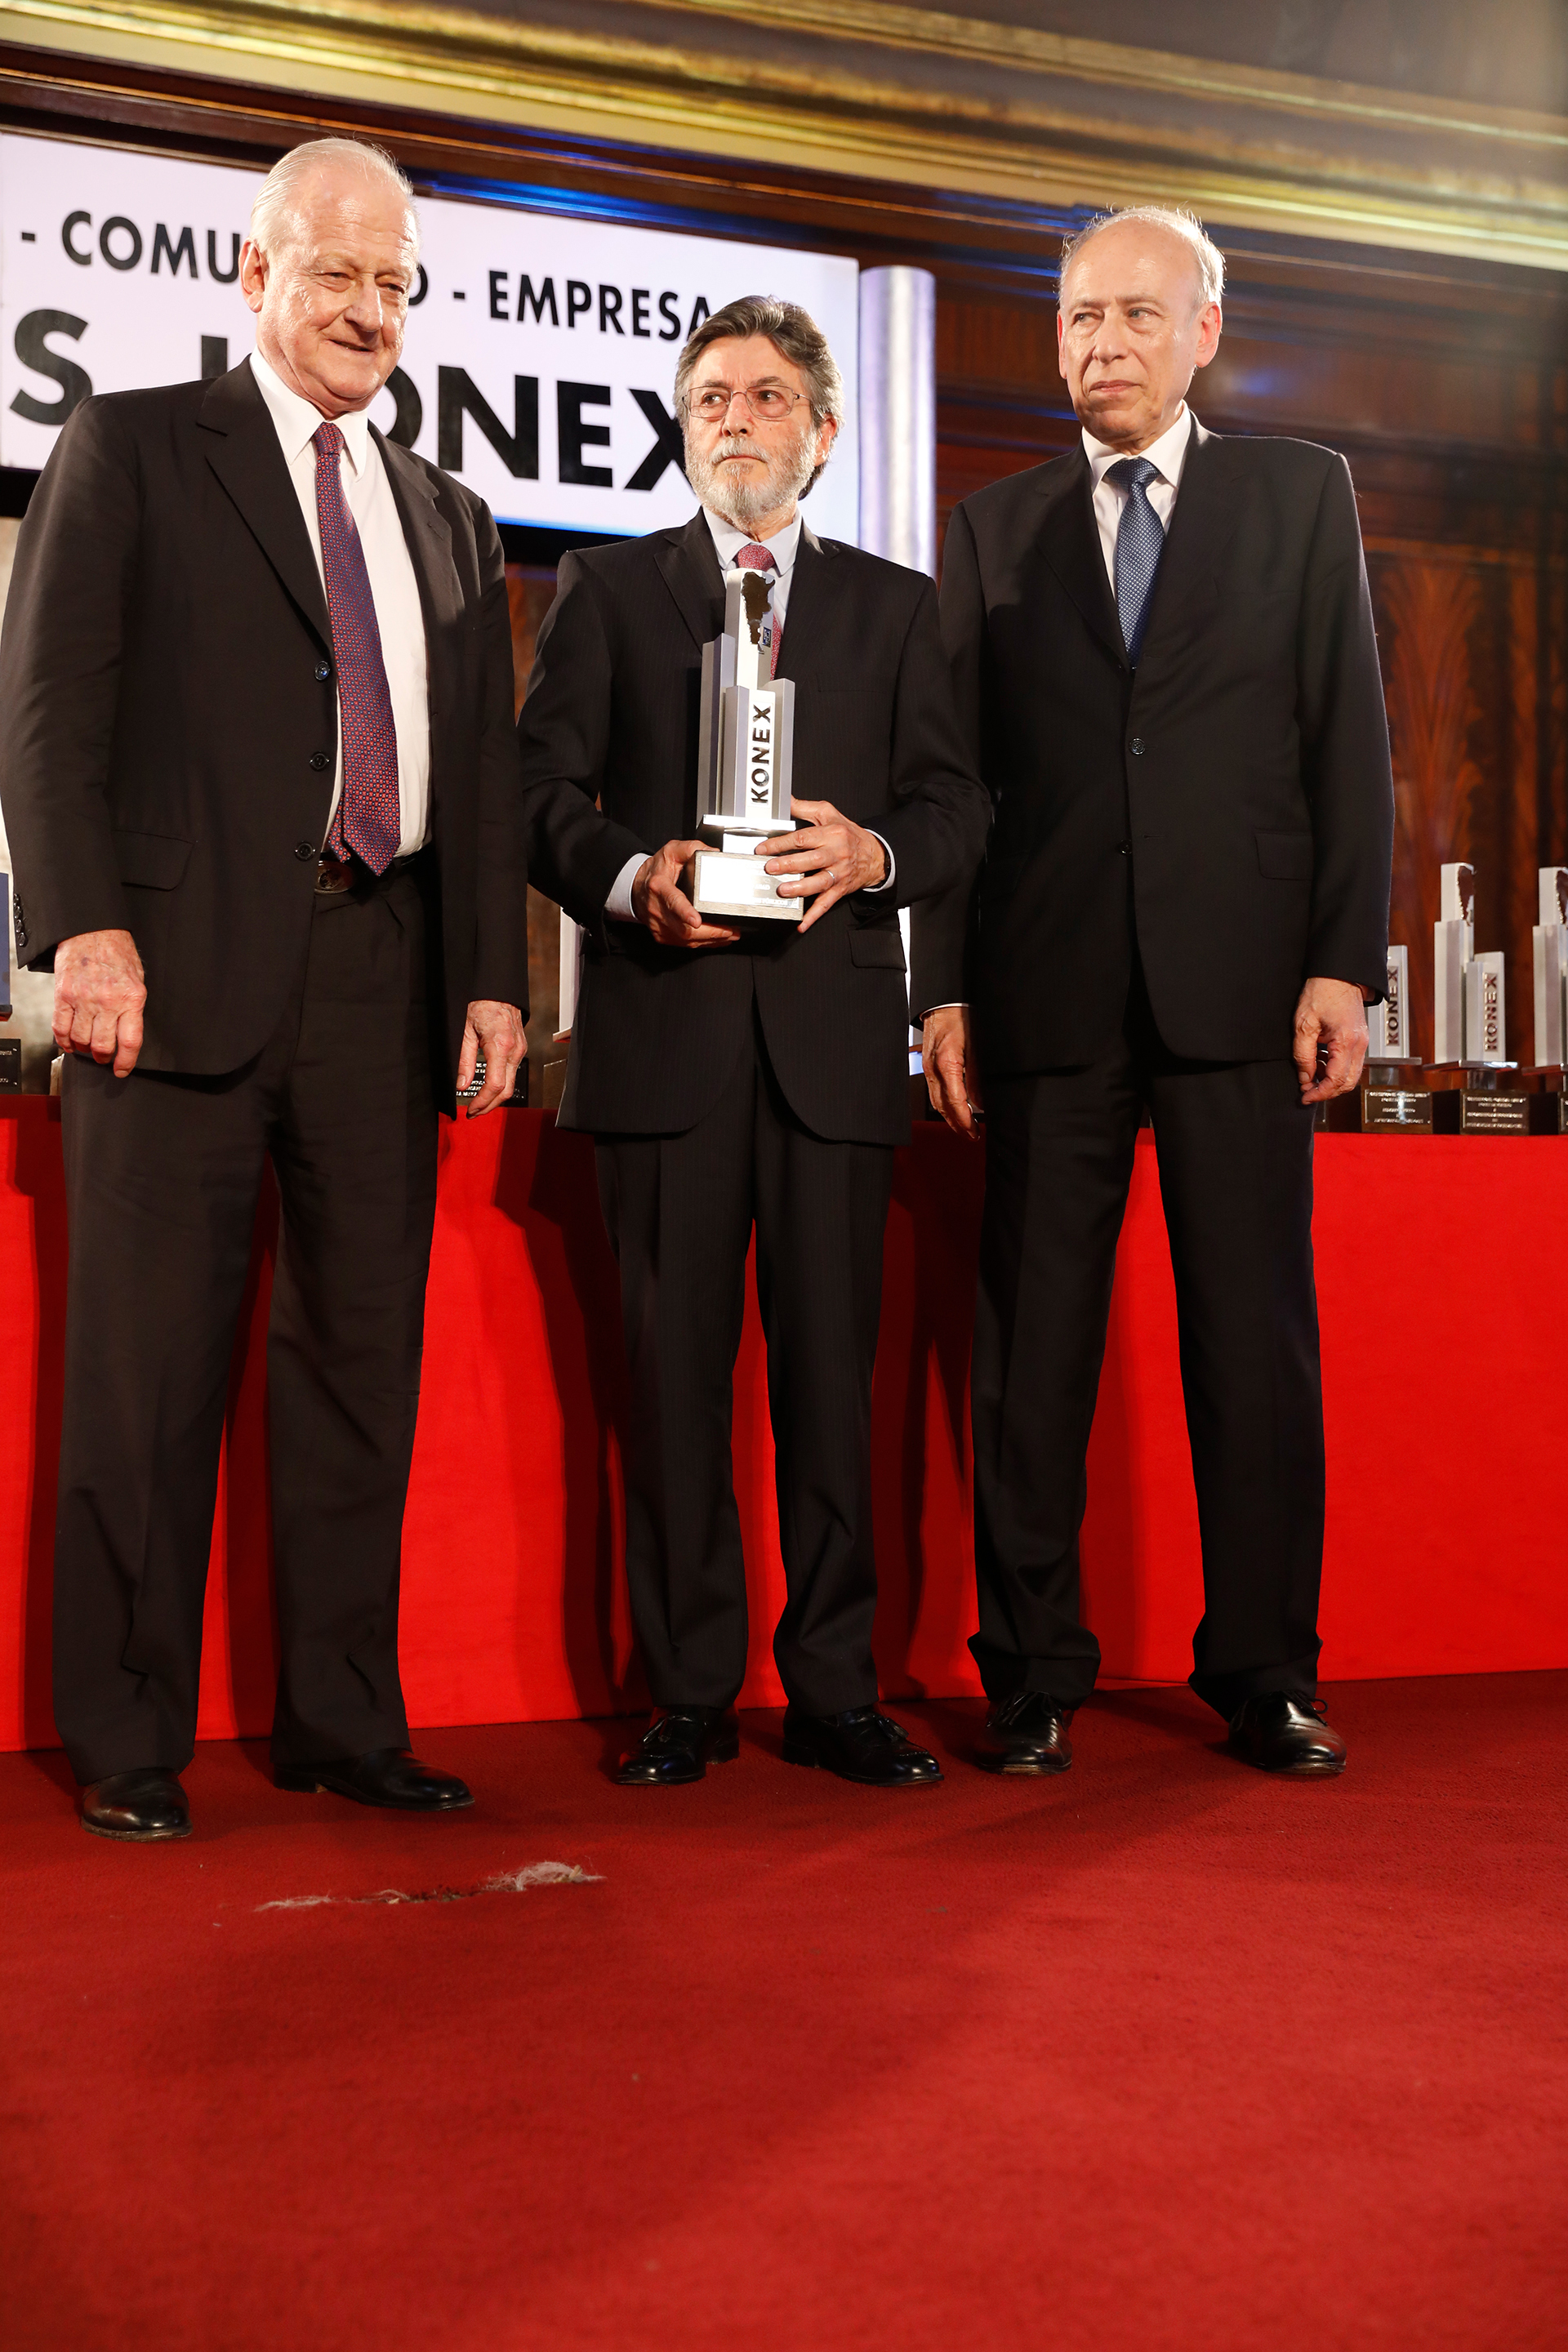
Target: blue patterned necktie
{"x": 1140, "y": 543}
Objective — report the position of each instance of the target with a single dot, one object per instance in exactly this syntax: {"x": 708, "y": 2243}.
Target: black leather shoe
{"x": 144, "y": 1806}
{"x": 387, "y": 1775}
{"x": 679, "y": 1745}
{"x": 1026, "y": 1732}
{"x": 1280, "y": 1732}
{"x": 859, "y": 1746}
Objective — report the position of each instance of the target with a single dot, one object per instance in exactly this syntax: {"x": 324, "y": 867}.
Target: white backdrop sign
{"x": 540, "y": 356}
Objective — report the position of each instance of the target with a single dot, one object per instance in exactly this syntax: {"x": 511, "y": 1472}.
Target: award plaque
{"x": 1391, "y": 1104}
{"x": 516, "y": 1100}
{"x": 10, "y": 1065}
{"x": 1489, "y": 1100}
{"x": 744, "y": 760}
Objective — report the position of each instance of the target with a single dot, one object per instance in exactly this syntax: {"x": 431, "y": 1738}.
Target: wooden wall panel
{"x": 1443, "y": 380}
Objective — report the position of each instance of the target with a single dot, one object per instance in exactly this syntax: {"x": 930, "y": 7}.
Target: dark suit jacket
{"x": 1230, "y": 803}
{"x": 611, "y": 717}
{"x": 169, "y": 723}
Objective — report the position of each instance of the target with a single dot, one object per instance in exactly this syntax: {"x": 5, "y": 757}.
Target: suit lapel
{"x": 814, "y": 591}
{"x": 248, "y": 459}
{"x": 1202, "y": 523}
{"x": 1070, "y": 541}
{"x": 689, "y": 564}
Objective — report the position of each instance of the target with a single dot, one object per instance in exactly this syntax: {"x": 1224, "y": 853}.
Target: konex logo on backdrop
{"x": 540, "y": 357}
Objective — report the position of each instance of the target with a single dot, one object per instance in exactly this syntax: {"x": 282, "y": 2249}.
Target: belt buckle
{"x": 332, "y": 876}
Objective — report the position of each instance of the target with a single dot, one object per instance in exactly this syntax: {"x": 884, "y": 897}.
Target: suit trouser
{"x": 161, "y": 1178}
{"x": 679, "y": 1209}
{"x": 1234, "y": 1150}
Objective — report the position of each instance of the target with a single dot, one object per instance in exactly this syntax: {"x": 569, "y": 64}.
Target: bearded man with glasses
{"x": 748, "y": 1078}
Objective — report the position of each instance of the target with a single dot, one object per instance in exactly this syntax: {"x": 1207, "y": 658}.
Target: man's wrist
{"x": 886, "y": 880}
{"x": 621, "y": 904}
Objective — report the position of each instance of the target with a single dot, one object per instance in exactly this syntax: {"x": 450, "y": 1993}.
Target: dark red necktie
{"x": 755, "y": 557}
{"x": 369, "y": 819}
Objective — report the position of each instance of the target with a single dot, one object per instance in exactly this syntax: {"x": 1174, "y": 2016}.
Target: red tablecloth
{"x": 1444, "y": 1287}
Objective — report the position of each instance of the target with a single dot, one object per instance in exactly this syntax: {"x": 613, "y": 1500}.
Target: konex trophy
{"x": 1394, "y": 1097}
{"x": 744, "y": 759}
{"x": 1454, "y": 948}
{"x": 1550, "y": 938}
{"x": 1478, "y": 1087}
{"x": 1549, "y": 941}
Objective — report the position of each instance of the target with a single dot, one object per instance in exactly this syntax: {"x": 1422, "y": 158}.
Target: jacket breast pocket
{"x": 879, "y": 948}
{"x": 150, "y": 861}
{"x": 1285, "y": 856}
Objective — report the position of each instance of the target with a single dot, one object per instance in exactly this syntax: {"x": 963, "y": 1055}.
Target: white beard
{"x": 742, "y": 501}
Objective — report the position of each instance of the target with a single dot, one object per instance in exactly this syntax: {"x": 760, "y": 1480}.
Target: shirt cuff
{"x": 618, "y": 905}
{"x": 874, "y": 889}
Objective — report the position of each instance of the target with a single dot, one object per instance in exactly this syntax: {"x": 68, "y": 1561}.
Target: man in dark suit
{"x": 260, "y": 780}
{"x": 1164, "y": 658}
{"x": 739, "y": 1075}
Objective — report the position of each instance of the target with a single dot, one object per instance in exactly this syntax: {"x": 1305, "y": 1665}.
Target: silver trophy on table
{"x": 744, "y": 759}
{"x": 1549, "y": 942}
{"x": 1394, "y": 1099}
{"x": 1478, "y": 1089}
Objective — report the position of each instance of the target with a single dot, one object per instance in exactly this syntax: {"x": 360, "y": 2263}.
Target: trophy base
{"x": 734, "y": 884}
{"x": 1549, "y": 1101}
{"x": 1481, "y": 1098}
{"x": 1391, "y": 1099}
{"x": 1394, "y": 1099}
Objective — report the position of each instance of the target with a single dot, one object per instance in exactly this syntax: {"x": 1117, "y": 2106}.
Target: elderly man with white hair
{"x": 1163, "y": 652}
{"x": 262, "y": 791}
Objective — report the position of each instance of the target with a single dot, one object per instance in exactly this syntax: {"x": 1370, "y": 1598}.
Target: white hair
{"x": 275, "y": 199}
{"x": 1184, "y": 224}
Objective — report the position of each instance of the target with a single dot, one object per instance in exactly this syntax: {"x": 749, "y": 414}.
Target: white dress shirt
{"x": 728, "y": 541}
{"x": 394, "y": 591}
{"x": 1169, "y": 453}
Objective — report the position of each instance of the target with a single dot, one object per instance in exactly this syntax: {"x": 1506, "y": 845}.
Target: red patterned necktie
{"x": 369, "y": 819}
{"x": 755, "y": 557}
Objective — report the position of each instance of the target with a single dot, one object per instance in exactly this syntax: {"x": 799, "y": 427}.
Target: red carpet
{"x": 1162, "y": 2054}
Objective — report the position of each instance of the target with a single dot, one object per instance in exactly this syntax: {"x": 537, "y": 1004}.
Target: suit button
{"x": 304, "y": 849}
{"x": 320, "y": 762}
{"x": 1136, "y": 747}
{"x": 1124, "y": 849}
{"x": 323, "y": 670}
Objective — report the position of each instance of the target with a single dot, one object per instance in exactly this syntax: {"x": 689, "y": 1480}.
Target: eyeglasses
{"x": 768, "y": 403}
